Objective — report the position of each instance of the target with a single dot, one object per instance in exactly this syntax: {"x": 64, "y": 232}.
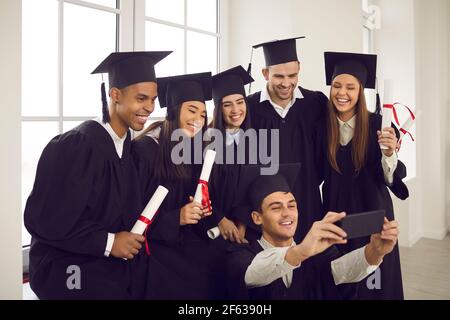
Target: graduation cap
{"x": 231, "y": 81}
{"x": 127, "y": 68}
{"x": 279, "y": 51}
{"x": 361, "y": 66}
{"x": 173, "y": 91}
{"x": 255, "y": 187}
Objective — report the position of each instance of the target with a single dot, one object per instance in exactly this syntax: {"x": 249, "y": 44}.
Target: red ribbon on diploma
{"x": 148, "y": 222}
{"x": 404, "y": 131}
{"x": 394, "y": 111}
{"x": 205, "y": 194}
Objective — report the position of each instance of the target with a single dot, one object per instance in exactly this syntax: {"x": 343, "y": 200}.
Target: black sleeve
{"x": 320, "y": 151}
{"x": 239, "y": 257}
{"x": 398, "y": 187}
{"x": 144, "y": 151}
{"x": 64, "y": 182}
{"x": 165, "y": 227}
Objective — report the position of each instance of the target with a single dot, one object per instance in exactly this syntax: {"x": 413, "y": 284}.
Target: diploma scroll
{"x": 387, "y": 107}
{"x": 202, "y": 193}
{"x": 150, "y": 210}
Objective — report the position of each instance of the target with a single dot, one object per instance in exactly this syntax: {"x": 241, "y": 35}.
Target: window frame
{"x": 60, "y": 118}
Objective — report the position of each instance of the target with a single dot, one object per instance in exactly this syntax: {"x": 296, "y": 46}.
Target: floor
{"x": 426, "y": 270}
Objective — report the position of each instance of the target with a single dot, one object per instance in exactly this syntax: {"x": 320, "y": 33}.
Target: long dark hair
{"x": 164, "y": 168}
{"x": 360, "y": 137}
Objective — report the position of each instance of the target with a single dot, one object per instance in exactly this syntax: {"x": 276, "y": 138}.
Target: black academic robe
{"x": 364, "y": 191}
{"x": 182, "y": 258}
{"x": 296, "y": 133}
{"x": 313, "y": 280}
{"x": 224, "y": 183}
{"x": 82, "y": 191}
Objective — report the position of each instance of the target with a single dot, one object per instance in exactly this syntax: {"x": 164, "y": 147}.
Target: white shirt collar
{"x": 118, "y": 141}
{"x": 267, "y": 245}
{"x": 351, "y": 123}
{"x": 233, "y": 136}
{"x": 265, "y": 96}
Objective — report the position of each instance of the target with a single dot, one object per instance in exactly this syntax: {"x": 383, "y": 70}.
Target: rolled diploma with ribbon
{"x": 204, "y": 177}
{"x": 387, "y": 107}
{"x": 149, "y": 211}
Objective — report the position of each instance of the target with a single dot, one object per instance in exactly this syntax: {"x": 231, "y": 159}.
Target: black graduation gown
{"x": 82, "y": 191}
{"x": 296, "y": 145}
{"x": 224, "y": 183}
{"x": 366, "y": 191}
{"x": 181, "y": 262}
{"x": 313, "y": 280}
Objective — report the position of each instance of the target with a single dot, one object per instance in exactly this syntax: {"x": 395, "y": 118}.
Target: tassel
{"x": 378, "y": 104}
{"x": 378, "y": 100}
{"x": 105, "y": 111}
{"x": 249, "y": 71}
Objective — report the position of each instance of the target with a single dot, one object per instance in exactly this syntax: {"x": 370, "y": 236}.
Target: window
{"x": 64, "y": 40}
{"x": 190, "y": 29}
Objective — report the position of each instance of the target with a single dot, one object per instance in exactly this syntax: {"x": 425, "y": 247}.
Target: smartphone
{"x": 362, "y": 224}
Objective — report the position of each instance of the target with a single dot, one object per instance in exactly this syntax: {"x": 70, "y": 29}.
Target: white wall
{"x": 413, "y": 48}
{"x": 253, "y": 21}
{"x": 395, "y": 44}
{"x": 432, "y": 97}
{"x": 10, "y": 204}
{"x": 447, "y": 192}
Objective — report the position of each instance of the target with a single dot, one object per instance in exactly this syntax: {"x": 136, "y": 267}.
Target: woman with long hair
{"x": 179, "y": 262}
{"x": 231, "y": 119}
{"x": 356, "y": 173}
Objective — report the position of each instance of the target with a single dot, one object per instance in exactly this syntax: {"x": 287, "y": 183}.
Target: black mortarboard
{"x": 279, "y": 51}
{"x": 231, "y": 81}
{"x": 173, "y": 91}
{"x": 361, "y": 66}
{"x": 127, "y": 68}
{"x": 254, "y": 187}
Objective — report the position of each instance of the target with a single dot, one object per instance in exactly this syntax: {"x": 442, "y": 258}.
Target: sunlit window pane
{"x": 89, "y": 36}
{"x": 35, "y": 136}
{"x": 169, "y": 10}
{"x": 39, "y": 58}
{"x": 159, "y": 37}
{"x": 201, "y": 14}
{"x": 201, "y": 52}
